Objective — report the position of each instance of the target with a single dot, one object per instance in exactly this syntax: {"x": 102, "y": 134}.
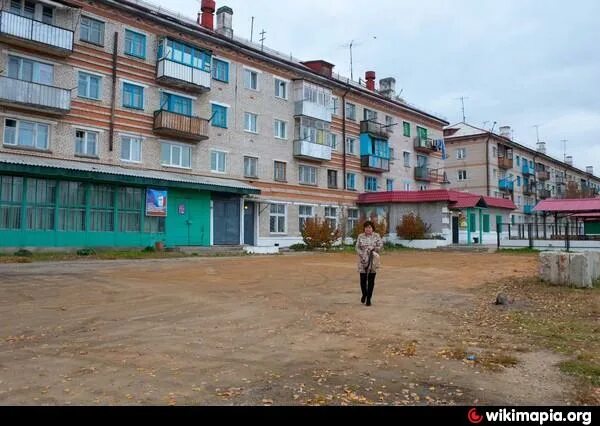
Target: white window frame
{"x": 286, "y": 84}
{"x": 35, "y": 134}
{"x": 302, "y": 217}
{"x": 248, "y": 72}
{"x": 98, "y": 76}
{"x": 131, "y": 138}
{"x": 181, "y": 148}
{"x": 278, "y": 215}
{"x": 333, "y": 141}
{"x": 462, "y": 175}
{"x": 247, "y": 121}
{"x": 406, "y": 158}
{"x": 218, "y": 160}
{"x": 407, "y": 186}
{"x": 310, "y": 170}
{"x": 277, "y": 126}
{"x": 353, "y": 117}
{"x": 351, "y": 221}
{"x": 461, "y": 153}
{"x": 249, "y": 175}
{"x": 331, "y": 218}
{"x": 348, "y": 145}
{"x": 87, "y": 133}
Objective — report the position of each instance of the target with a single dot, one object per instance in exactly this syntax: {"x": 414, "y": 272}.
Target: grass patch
{"x": 585, "y": 369}
{"x": 524, "y": 250}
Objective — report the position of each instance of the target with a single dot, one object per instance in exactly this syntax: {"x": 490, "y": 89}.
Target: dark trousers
{"x": 367, "y": 285}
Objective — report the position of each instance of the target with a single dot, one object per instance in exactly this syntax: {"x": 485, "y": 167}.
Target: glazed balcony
{"x": 506, "y": 185}
{"x": 182, "y": 76}
{"x": 33, "y": 34}
{"x": 311, "y": 151}
{"x": 375, "y": 164}
{"x": 528, "y": 209}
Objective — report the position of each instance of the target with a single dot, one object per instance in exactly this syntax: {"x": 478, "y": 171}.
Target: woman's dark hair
{"x": 368, "y": 223}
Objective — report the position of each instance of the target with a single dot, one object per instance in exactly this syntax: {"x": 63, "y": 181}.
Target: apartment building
{"x": 122, "y": 124}
{"x": 493, "y": 164}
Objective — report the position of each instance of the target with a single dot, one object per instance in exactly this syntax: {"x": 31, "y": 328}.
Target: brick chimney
{"x": 370, "y": 77}
{"x": 319, "y": 66}
{"x": 206, "y": 18}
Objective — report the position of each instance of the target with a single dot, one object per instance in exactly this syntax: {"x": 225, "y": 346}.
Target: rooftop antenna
{"x": 462, "y": 101}
{"x": 564, "y": 141}
{"x": 262, "y": 40}
{"x": 351, "y": 67}
{"x": 537, "y": 132}
{"x": 252, "y": 30}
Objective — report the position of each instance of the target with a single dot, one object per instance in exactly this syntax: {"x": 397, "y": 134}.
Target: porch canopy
{"x": 583, "y": 208}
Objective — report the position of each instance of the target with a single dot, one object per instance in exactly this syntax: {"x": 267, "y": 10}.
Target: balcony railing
{"x": 506, "y": 185}
{"x": 36, "y": 34}
{"x": 528, "y": 209}
{"x": 375, "y": 129}
{"x": 425, "y": 174}
{"x": 374, "y": 164}
{"x": 425, "y": 145}
{"x": 312, "y": 151}
{"x": 34, "y": 95}
{"x": 180, "y": 126}
{"x": 505, "y": 163}
{"x": 545, "y": 193}
{"x": 543, "y": 175}
{"x": 527, "y": 171}
{"x": 313, "y": 110}
{"x": 182, "y": 76}
{"x": 528, "y": 190}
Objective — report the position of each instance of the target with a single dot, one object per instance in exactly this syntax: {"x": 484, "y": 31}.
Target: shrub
{"x": 378, "y": 227}
{"x": 299, "y": 247}
{"x": 86, "y": 252}
{"x": 149, "y": 249}
{"x": 412, "y": 228}
{"x": 23, "y": 253}
{"x": 318, "y": 233}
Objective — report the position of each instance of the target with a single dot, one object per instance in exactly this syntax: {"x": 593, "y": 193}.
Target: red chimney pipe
{"x": 208, "y": 9}
{"x": 370, "y": 77}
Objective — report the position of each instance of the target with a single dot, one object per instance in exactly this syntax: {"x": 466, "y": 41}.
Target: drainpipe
{"x": 113, "y": 101}
{"x": 487, "y": 160}
{"x": 344, "y": 136}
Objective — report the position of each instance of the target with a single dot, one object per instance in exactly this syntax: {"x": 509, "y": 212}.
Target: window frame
{"x": 222, "y": 111}
{"x": 215, "y": 70}
{"x": 86, "y": 143}
{"x": 131, "y": 139}
{"x": 102, "y": 32}
{"x": 285, "y": 84}
{"x": 278, "y": 215}
{"x": 218, "y": 154}
{"x": 88, "y": 85}
{"x": 275, "y": 168}
{"x": 181, "y": 148}
{"x": 135, "y": 35}
{"x": 247, "y": 116}
{"x": 142, "y": 97}
{"x": 248, "y": 73}
{"x": 277, "y": 126}
{"x": 312, "y": 172}
{"x": 246, "y": 174}
{"x": 35, "y": 134}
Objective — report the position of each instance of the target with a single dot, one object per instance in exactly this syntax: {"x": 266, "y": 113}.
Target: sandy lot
{"x": 284, "y": 330}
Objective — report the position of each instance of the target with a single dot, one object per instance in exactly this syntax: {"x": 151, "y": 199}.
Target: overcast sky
{"x": 519, "y": 62}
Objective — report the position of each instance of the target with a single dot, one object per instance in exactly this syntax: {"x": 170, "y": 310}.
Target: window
{"x": 135, "y": 44}
{"x": 307, "y": 175}
{"x": 131, "y": 149}
{"x": 133, "y": 96}
{"x": 406, "y": 186}
{"x": 461, "y": 153}
{"x": 369, "y": 114}
{"x": 519, "y": 201}
{"x": 280, "y": 171}
{"x": 406, "y": 157}
{"x": 92, "y": 31}
{"x": 351, "y": 181}
{"x": 370, "y": 184}
{"x": 311, "y": 130}
{"x": 250, "y": 121}
{"x": 352, "y": 220}
{"x": 462, "y": 175}
{"x": 219, "y": 116}
{"x": 335, "y": 105}
{"x": 26, "y": 8}
{"x": 486, "y": 223}
{"x": 277, "y": 219}
{"x": 281, "y": 89}
{"x": 332, "y": 179}
{"x": 175, "y": 103}
{"x": 217, "y": 161}
{"x": 184, "y": 54}
{"x": 472, "y": 222}
{"x": 304, "y": 213}
{"x": 406, "y": 128}
{"x": 130, "y": 204}
{"x": 11, "y": 196}
{"x": 28, "y": 70}
{"x": 175, "y": 155}
{"x": 102, "y": 203}
{"x": 518, "y": 161}
{"x": 86, "y": 143}
{"x": 26, "y": 134}
{"x": 391, "y": 152}
{"x": 351, "y": 146}
{"x": 47, "y": 15}
{"x": 389, "y": 124}
{"x": 331, "y": 216}
{"x": 72, "y": 199}
{"x": 308, "y": 92}
{"x": 389, "y": 185}
{"x": 250, "y": 167}
{"x": 333, "y": 141}
{"x": 88, "y": 86}
{"x": 422, "y": 132}
{"x": 494, "y": 151}
{"x": 40, "y": 209}
{"x": 518, "y": 180}
{"x": 250, "y": 80}
{"x": 220, "y": 70}
{"x": 280, "y": 129}
{"x": 350, "y": 111}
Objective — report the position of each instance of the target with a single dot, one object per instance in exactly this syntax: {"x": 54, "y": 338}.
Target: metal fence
{"x": 530, "y": 233}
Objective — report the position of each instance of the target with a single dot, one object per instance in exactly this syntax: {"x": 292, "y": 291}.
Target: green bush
{"x": 86, "y": 252}
{"x": 23, "y": 253}
{"x": 149, "y": 249}
{"x": 299, "y": 247}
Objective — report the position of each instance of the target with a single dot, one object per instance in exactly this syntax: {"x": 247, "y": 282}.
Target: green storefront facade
{"x": 54, "y": 207}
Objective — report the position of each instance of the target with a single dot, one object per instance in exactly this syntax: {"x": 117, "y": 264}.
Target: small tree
{"x": 412, "y": 228}
{"x": 380, "y": 227}
{"x": 318, "y": 233}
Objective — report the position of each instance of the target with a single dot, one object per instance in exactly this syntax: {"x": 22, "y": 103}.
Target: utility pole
{"x": 564, "y": 141}
{"x": 262, "y": 40}
{"x": 537, "y": 132}
{"x": 351, "y": 67}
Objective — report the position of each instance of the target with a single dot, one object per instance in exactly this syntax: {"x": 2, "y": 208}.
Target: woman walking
{"x": 368, "y": 245}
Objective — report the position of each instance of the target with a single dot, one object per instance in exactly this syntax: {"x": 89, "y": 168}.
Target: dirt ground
{"x": 283, "y": 330}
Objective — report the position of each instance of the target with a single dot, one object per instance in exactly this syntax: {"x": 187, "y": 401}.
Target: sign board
{"x": 156, "y": 203}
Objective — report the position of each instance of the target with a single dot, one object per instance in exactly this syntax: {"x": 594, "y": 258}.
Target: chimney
{"x": 206, "y": 18}
{"x": 506, "y": 132}
{"x": 569, "y": 160}
{"x": 387, "y": 87}
{"x": 370, "y": 77}
{"x": 541, "y": 147}
{"x": 589, "y": 170}
{"x": 225, "y": 21}
{"x": 321, "y": 67}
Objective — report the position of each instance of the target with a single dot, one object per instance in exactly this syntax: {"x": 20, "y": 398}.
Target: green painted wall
{"x": 188, "y": 218}
{"x": 592, "y": 228}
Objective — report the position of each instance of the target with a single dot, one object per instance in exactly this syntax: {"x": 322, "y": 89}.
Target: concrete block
{"x": 547, "y": 262}
{"x": 580, "y": 270}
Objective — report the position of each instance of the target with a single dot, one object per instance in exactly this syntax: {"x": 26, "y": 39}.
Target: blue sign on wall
{"x": 156, "y": 203}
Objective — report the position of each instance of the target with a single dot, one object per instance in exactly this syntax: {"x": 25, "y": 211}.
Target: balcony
{"x": 528, "y": 190}
{"x": 312, "y": 151}
{"x": 545, "y": 193}
{"x": 375, "y": 129}
{"x": 176, "y": 125}
{"x": 34, "y": 34}
{"x": 506, "y": 185}
{"x": 505, "y": 163}
{"x": 425, "y": 145}
{"x": 543, "y": 175}
{"x": 34, "y": 96}
{"x": 182, "y": 76}
{"x": 372, "y": 163}
{"x": 527, "y": 171}
{"x": 528, "y": 209}
{"x": 313, "y": 110}
{"x": 424, "y": 174}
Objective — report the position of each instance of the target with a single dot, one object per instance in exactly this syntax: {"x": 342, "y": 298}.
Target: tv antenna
{"x": 262, "y": 39}
{"x": 537, "y": 132}
{"x": 564, "y": 141}
{"x": 462, "y": 101}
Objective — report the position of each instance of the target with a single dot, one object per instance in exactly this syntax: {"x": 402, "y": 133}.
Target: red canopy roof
{"x": 455, "y": 199}
{"x": 583, "y": 205}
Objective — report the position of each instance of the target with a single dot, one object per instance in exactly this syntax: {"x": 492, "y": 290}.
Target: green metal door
{"x": 188, "y": 219}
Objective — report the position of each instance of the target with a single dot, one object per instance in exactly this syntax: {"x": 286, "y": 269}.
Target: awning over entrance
{"x": 52, "y": 167}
